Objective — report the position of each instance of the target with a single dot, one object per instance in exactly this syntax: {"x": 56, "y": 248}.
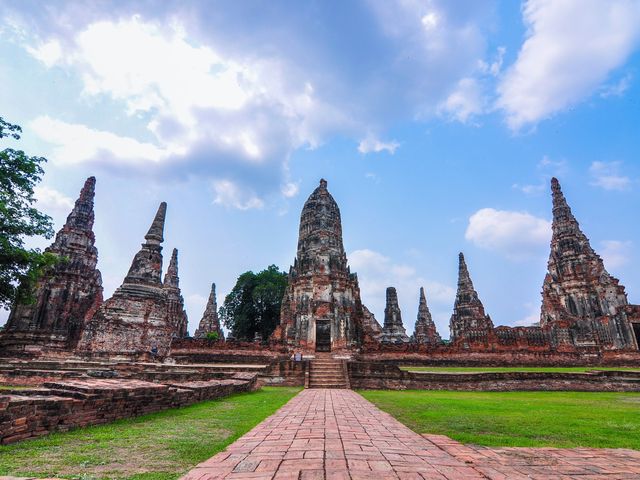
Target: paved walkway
{"x": 337, "y": 434}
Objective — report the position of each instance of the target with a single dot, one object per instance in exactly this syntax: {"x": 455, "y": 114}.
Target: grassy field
{"x": 524, "y": 419}
{"x": 511, "y": 369}
{"x": 159, "y": 446}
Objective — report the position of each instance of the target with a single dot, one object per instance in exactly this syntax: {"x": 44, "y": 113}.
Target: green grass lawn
{"x": 159, "y": 446}
{"x": 512, "y": 369}
{"x": 523, "y": 419}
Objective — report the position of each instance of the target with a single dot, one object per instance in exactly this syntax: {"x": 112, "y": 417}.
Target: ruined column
{"x": 393, "y": 330}
{"x": 67, "y": 294}
{"x": 210, "y": 322}
{"x": 425, "y": 329}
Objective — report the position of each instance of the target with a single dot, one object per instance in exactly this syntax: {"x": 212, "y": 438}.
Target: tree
{"x": 254, "y": 304}
{"x": 20, "y": 267}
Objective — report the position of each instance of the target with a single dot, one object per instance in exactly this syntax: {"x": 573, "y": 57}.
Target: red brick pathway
{"x": 337, "y": 434}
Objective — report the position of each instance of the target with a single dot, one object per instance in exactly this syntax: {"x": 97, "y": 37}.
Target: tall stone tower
{"x": 175, "y": 302}
{"x": 425, "y": 330}
{"x": 68, "y": 294}
{"x": 139, "y": 317}
{"x": 581, "y": 302}
{"x": 210, "y": 323}
{"x": 321, "y": 308}
{"x": 469, "y": 323}
{"x": 393, "y": 330}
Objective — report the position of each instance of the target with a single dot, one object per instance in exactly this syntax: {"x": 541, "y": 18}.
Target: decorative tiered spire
{"x": 425, "y": 330}
{"x": 146, "y": 267}
{"x": 82, "y": 216}
{"x": 468, "y": 312}
{"x": 393, "y": 330}
{"x": 171, "y": 277}
{"x": 577, "y": 285}
{"x": 209, "y": 322}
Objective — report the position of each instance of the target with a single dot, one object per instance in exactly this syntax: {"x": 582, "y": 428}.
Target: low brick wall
{"x": 67, "y": 404}
{"x": 447, "y": 356}
{"x": 369, "y": 376}
{"x": 285, "y": 373}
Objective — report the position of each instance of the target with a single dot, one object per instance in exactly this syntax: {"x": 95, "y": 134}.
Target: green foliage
{"x": 519, "y": 419}
{"x": 20, "y": 267}
{"x": 254, "y": 303}
{"x": 157, "y": 446}
{"x": 213, "y": 336}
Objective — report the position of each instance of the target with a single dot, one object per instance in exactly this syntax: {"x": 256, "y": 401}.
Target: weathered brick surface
{"x": 210, "y": 323}
{"x": 67, "y": 404}
{"x": 337, "y": 434}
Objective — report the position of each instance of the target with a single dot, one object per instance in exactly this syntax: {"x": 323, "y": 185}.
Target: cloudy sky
{"x": 437, "y": 124}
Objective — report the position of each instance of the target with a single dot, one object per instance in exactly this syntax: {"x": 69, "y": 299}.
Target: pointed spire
{"x": 209, "y": 322}
{"x": 323, "y": 183}
{"x": 171, "y": 278}
{"x": 422, "y": 307}
{"x": 425, "y": 331}
{"x": 464, "y": 279}
{"x": 393, "y": 330}
{"x": 156, "y": 230}
{"x": 82, "y": 216}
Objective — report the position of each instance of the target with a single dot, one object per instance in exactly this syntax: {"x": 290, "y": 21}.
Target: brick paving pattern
{"x": 337, "y": 434}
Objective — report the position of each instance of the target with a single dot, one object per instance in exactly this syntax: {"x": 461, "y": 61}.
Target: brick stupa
{"x": 67, "y": 294}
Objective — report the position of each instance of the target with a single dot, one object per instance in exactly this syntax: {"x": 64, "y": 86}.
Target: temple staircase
{"x": 327, "y": 372}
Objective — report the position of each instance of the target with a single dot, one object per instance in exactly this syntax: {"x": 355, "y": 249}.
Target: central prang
{"x": 321, "y": 309}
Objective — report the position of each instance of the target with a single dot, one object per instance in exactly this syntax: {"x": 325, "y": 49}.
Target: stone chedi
{"x": 425, "y": 332}
{"x": 210, "y": 322}
{"x": 175, "y": 302}
{"x": 143, "y": 315}
{"x": 321, "y": 308}
{"x": 393, "y": 330}
{"x": 68, "y": 293}
{"x": 469, "y": 323}
{"x": 582, "y": 304}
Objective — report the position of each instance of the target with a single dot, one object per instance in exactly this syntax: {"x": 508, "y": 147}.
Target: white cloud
{"x": 230, "y": 114}
{"x": 616, "y": 253}
{"x": 556, "y": 168}
{"x": 607, "y": 175}
{"x": 559, "y": 64}
{"x": 49, "y": 53}
{"x": 376, "y": 272}
{"x": 465, "y": 101}
{"x": 372, "y": 144}
{"x": 75, "y": 143}
{"x": 530, "y": 189}
{"x": 290, "y": 189}
{"x": 517, "y": 235}
{"x": 533, "y": 317}
{"x": 229, "y": 194}
{"x": 52, "y": 201}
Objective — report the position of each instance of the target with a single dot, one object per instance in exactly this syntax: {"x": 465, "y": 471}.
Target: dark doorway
{"x": 323, "y": 336}
{"x": 636, "y": 332}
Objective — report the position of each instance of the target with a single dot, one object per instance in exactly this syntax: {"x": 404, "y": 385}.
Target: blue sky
{"x": 438, "y": 125}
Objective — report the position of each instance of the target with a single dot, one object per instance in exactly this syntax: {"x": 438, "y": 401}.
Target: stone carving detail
{"x": 175, "y": 302}
{"x": 393, "y": 330}
{"x": 210, "y": 322}
{"x": 469, "y": 323}
{"x": 321, "y": 287}
{"x": 582, "y": 303}
{"x": 137, "y": 318}
{"x": 68, "y": 294}
{"x": 425, "y": 329}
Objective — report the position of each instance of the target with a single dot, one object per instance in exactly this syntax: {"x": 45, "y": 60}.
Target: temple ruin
{"x": 425, "y": 332}
{"x": 393, "y": 329}
{"x": 209, "y": 323}
{"x": 68, "y": 294}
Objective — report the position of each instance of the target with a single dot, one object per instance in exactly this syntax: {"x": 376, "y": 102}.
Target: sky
{"x": 437, "y": 124}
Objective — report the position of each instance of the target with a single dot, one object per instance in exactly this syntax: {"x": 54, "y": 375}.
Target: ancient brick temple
{"x": 582, "y": 304}
{"x": 425, "y": 332}
{"x": 209, "y": 323}
{"x": 321, "y": 308}
{"x": 68, "y": 294}
{"x": 469, "y": 323}
{"x": 393, "y": 330}
{"x": 143, "y": 315}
